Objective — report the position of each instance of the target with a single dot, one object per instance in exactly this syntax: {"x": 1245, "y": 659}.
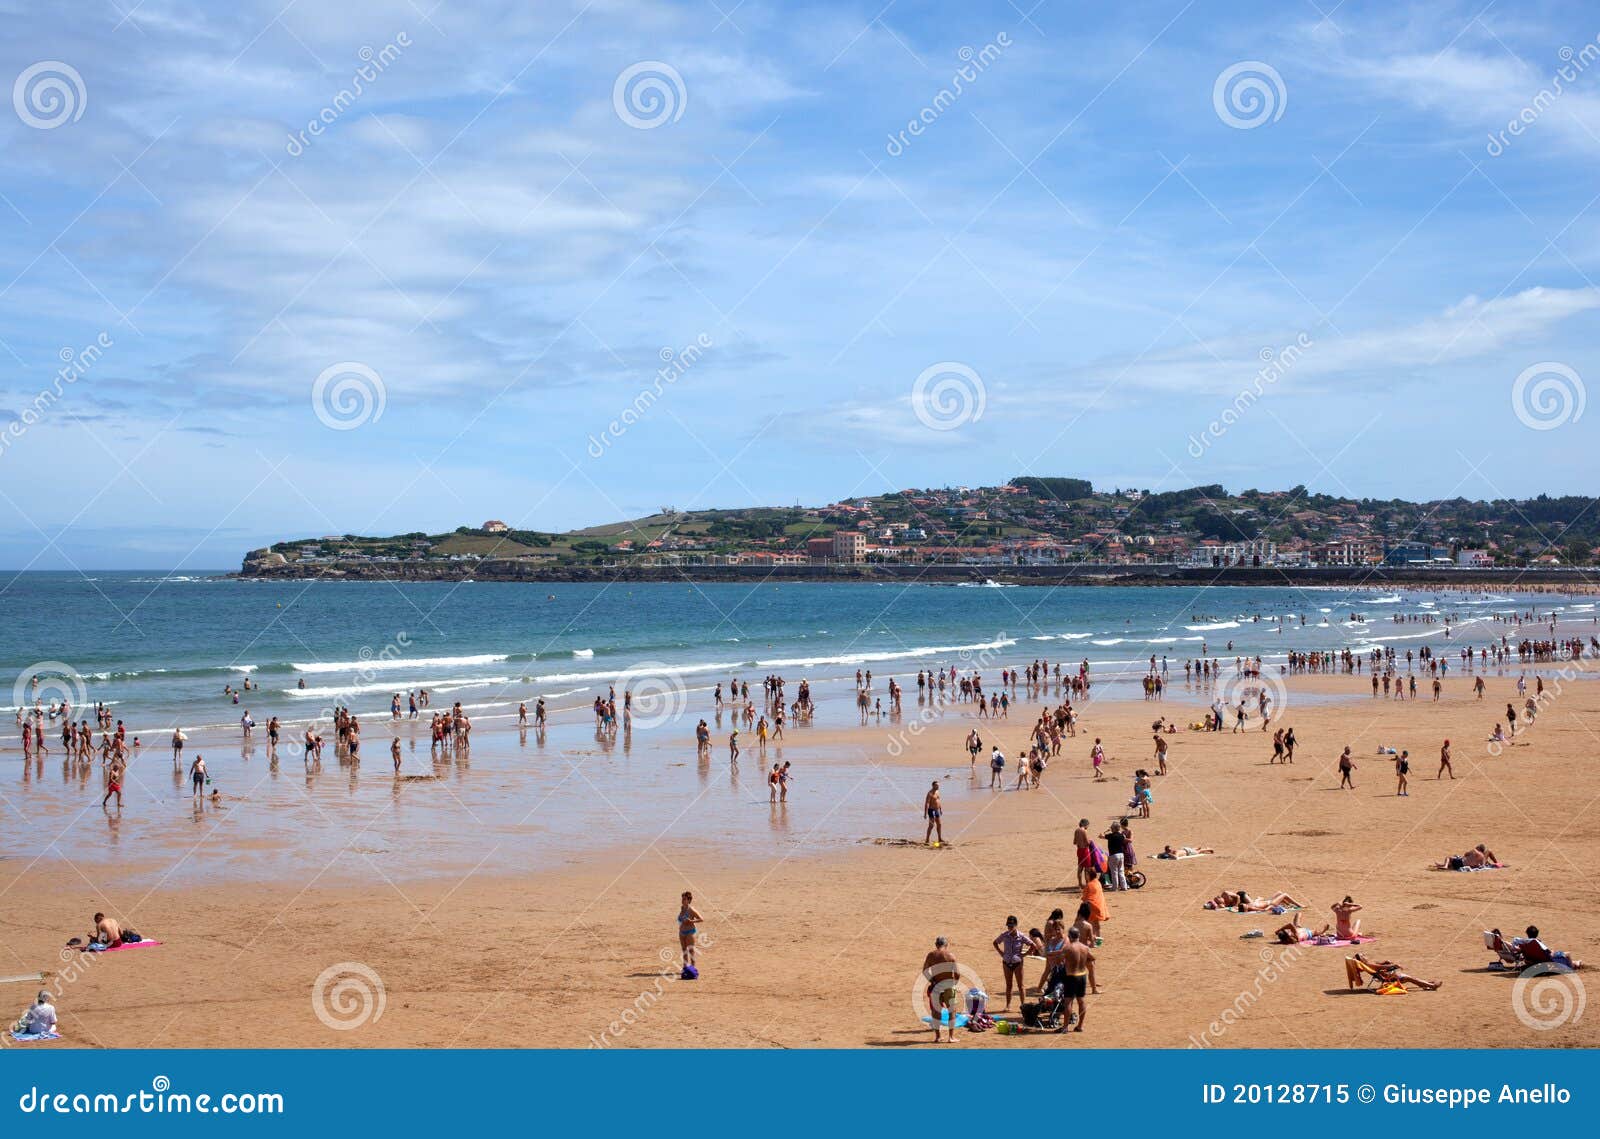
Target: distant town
{"x": 1029, "y": 521}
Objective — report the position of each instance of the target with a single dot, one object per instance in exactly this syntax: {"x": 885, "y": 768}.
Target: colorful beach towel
{"x": 124, "y": 945}
{"x": 1471, "y": 869}
{"x": 1322, "y": 941}
{"x": 33, "y": 1037}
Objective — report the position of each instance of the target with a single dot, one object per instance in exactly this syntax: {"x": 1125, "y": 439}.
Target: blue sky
{"x": 1089, "y": 239}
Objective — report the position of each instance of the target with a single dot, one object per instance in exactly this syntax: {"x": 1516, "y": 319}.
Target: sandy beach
{"x": 822, "y": 946}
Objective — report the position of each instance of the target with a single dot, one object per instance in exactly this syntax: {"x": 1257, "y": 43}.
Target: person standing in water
{"x": 197, "y": 774}
{"x": 933, "y": 808}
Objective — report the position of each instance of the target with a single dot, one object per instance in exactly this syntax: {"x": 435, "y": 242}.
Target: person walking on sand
{"x": 197, "y": 775}
{"x": 689, "y": 920}
{"x": 933, "y": 808}
{"x": 1097, "y": 757}
{"x": 1402, "y": 768}
{"x": 1346, "y": 766}
{"x": 114, "y": 780}
{"x": 1444, "y": 762}
{"x": 943, "y": 974}
{"x": 1080, "y": 840}
{"x": 997, "y": 769}
{"x": 394, "y": 754}
{"x": 974, "y": 746}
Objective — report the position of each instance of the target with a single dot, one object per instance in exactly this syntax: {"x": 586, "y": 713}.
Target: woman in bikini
{"x": 688, "y": 927}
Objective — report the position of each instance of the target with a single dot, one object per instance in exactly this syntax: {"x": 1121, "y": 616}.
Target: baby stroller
{"x": 1049, "y": 1012}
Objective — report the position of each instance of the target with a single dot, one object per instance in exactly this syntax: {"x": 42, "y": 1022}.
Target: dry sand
{"x": 823, "y": 947}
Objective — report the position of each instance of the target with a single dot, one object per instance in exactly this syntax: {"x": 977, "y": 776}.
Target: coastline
{"x": 1558, "y": 579}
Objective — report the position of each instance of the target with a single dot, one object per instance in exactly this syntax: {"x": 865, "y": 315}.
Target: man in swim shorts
{"x": 1076, "y": 960}
{"x": 933, "y": 807}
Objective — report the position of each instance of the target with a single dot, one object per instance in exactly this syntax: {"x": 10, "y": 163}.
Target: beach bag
{"x": 690, "y": 973}
{"x": 977, "y": 1002}
{"x": 130, "y": 938}
{"x": 1030, "y": 1013}
{"x": 1097, "y": 858}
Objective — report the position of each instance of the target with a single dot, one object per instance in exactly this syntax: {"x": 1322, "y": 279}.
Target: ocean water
{"x": 160, "y": 650}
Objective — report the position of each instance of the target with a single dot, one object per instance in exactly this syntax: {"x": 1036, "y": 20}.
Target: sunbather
{"x": 1391, "y": 974}
{"x": 1291, "y": 934}
{"x": 1245, "y": 904}
{"x": 1185, "y": 851}
{"x": 1477, "y": 858}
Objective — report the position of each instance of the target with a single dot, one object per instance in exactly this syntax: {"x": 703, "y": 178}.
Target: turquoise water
{"x": 161, "y": 650}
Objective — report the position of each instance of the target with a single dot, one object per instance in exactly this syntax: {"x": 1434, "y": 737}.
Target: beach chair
{"x": 1362, "y": 974}
{"x": 1509, "y": 957}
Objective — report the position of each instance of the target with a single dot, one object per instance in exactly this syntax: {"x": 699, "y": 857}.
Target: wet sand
{"x": 815, "y": 933}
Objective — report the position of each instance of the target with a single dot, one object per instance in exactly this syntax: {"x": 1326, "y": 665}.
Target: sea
{"x": 161, "y": 649}
{"x": 174, "y": 650}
